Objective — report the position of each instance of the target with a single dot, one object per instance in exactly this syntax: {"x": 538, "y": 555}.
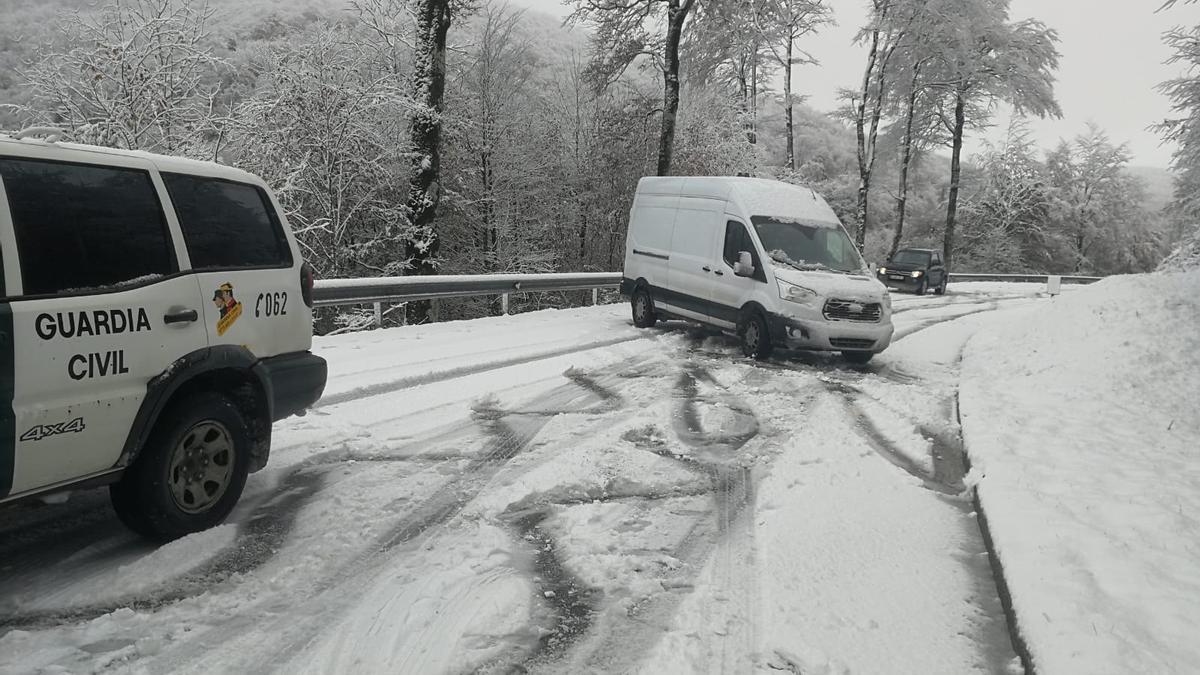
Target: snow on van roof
{"x": 88, "y": 153}
{"x": 756, "y": 196}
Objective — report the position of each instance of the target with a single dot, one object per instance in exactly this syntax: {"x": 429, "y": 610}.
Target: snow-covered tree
{"x": 781, "y": 24}
{"x": 134, "y": 75}
{"x": 327, "y": 130}
{"x": 983, "y": 58}
{"x": 628, "y": 29}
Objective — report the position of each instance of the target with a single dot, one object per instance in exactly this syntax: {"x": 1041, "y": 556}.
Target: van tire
{"x": 941, "y": 288}
{"x": 859, "y": 358}
{"x": 755, "y": 337}
{"x": 204, "y": 432}
{"x": 643, "y": 308}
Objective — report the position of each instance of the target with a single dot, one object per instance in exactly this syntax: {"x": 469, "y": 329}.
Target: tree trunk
{"x": 754, "y": 96}
{"x": 955, "y": 171}
{"x": 787, "y": 108}
{"x": 424, "y": 191}
{"x": 905, "y": 161}
{"x": 860, "y": 123}
{"x": 676, "y": 15}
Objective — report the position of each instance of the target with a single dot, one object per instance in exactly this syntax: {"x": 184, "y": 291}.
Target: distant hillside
{"x": 1159, "y": 183}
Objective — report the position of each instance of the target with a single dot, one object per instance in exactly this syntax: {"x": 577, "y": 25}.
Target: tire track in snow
{"x": 620, "y": 638}
{"x": 509, "y": 433}
{"x": 462, "y": 371}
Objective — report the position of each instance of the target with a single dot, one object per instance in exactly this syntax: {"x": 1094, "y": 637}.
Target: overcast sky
{"x": 1112, "y": 56}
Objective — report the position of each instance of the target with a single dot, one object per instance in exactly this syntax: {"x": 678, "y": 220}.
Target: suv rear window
{"x": 227, "y": 224}
{"x": 82, "y": 227}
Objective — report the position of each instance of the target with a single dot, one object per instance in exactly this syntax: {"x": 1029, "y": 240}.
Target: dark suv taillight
{"x": 306, "y": 283}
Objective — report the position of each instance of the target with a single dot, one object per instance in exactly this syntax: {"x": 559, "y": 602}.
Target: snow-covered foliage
{"x": 1185, "y": 257}
{"x": 135, "y": 75}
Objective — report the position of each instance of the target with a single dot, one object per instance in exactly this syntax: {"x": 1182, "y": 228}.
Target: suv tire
{"x": 941, "y": 289}
{"x": 643, "y": 309}
{"x": 191, "y": 471}
{"x": 921, "y": 288}
{"x": 755, "y": 337}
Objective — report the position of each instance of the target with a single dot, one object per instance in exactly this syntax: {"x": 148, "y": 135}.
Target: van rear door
{"x": 695, "y": 257}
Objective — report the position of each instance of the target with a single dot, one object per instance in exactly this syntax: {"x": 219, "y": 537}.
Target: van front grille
{"x": 849, "y": 310}
{"x": 851, "y": 343}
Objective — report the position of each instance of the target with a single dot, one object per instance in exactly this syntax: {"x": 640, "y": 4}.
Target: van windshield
{"x": 808, "y": 246}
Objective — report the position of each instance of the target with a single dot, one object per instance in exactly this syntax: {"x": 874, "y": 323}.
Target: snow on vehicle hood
{"x": 833, "y": 285}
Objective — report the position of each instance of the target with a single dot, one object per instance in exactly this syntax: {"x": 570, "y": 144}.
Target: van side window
{"x": 937, "y": 258}
{"x": 84, "y": 227}
{"x": 737, "y": 239}
{"x": 226, "y": 224}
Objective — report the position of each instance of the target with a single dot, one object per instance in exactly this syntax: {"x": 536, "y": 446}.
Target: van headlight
{"x": 794, "y": 293}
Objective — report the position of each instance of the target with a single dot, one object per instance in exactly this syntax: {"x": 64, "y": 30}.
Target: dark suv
{"x": 916, "y": 270}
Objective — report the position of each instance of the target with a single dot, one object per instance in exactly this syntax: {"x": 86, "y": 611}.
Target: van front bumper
{"x": 822, "y": 335}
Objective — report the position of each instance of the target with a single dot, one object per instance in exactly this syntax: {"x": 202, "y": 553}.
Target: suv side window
{"x": 226, "y": 224}
{"x": 937, "y": 259}
{"x": 81, "y": 227}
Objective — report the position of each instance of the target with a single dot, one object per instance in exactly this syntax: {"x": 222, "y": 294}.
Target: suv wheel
{"x": 643, "y": 309}
{"x": 941, "y": 289}
{"x": 858, "y": 357}
{"x": 191, "y": 471}
{"x": 921, "y": 288}
{"x": 756, "y": 340}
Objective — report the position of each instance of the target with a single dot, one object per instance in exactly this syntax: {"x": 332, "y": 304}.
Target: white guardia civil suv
{"x": 155, "y": 320}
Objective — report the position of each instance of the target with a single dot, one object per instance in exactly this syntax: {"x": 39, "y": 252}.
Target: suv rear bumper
{"x": 297, "y": 382}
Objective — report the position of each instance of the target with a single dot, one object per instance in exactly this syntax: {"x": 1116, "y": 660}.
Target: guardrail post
{"x": 504, "y": 304}
{"x": 379, "y": 315}
{"x": 595, "y": 296}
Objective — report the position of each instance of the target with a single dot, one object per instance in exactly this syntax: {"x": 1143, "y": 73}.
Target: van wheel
{"x": 941, "y": 289}
{"x": 191, "y": 471}
{"x": 643, "y": 309}
{"x": 756, "y": 341}
{"x": 859, "y": 358}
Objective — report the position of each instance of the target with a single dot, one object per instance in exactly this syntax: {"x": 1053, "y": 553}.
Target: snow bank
{"x": 1082, "y": 425}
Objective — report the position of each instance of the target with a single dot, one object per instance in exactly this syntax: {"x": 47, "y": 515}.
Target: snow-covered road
{"x": 558, "y": 492}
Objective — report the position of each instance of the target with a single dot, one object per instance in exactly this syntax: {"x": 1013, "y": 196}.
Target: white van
{"x": 767, "y": 260}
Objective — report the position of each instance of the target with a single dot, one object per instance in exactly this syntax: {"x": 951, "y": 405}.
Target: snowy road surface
{"x": 558, "y": 492}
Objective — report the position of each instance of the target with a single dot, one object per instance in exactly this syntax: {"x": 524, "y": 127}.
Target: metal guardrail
{"x": 378, "y": 290}
{"x": 1030, "y": 278}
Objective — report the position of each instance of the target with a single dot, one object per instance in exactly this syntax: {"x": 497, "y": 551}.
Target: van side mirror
{"x": 744, "y": 267}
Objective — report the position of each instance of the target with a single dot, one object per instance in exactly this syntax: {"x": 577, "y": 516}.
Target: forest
{"x": 472, "y": 136}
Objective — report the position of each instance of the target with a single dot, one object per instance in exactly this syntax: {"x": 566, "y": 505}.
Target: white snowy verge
{"x": 1083, "y": 428}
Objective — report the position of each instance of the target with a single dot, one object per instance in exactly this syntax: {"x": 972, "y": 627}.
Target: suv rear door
{"x": 237, "y": 244}
{"x": 91, "y": 281}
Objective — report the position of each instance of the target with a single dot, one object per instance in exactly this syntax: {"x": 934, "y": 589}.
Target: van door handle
{"x": 706, "y": 268}
{"x": 181, "y": 317}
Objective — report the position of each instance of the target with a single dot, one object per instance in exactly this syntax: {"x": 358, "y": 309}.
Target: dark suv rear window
{"x": 81, "y": 227}
{"x": 227, "y": 224}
